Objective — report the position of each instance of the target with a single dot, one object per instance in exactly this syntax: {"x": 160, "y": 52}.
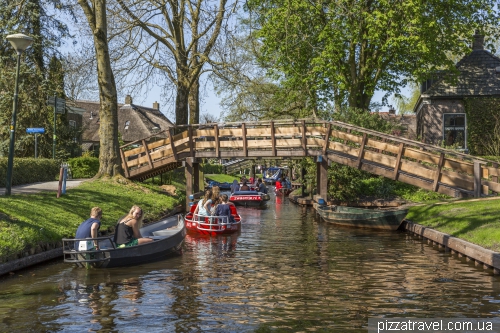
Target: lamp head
{"x": 20, "y": 42}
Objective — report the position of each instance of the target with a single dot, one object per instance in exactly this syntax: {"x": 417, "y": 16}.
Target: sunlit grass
{"x": 27, "y": 221}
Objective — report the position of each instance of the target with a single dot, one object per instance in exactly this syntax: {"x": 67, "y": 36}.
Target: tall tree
{"x": 176, "y": 38}
{"x": 34, "y": 18}
{"x": 347, "y": 49}
{"x": 109, "y": 154}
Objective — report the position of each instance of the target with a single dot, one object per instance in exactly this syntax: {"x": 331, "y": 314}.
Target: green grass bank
{"x": 35, "y": 223}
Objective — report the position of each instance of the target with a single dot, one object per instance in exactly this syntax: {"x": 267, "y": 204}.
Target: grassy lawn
{"x": 476, "y": 221}
{"x": 221, "y": 178}
{"x": 35, "y": 222}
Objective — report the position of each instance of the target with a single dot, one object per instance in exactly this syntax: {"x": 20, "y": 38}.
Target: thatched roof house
{"x": 135, "y": 122}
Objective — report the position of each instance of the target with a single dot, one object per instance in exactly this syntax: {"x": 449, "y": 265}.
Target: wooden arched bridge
{"x": 429, "y": 167}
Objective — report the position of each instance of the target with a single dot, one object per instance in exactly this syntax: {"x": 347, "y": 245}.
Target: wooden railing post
{"x": 398, "y": 161}
{"x": 304, "y": 138}
{"x": 361, "y": 150}
{"x": 217, "y": 142}
{"x": 191, "y": 143}
{"x": 438, "y": 172}
{"x": 172, "y": 144}
{"x": 273, "y": 140}
{"x": 150, "y": 161}
{"x": 327, "y": 138}
{"x": 124, "y": 164}
{"x": 244, "y": 137}
{"x": 477, "y": 179}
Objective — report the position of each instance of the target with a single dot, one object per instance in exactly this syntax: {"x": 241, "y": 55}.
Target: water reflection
{"x": 285, "y": 269}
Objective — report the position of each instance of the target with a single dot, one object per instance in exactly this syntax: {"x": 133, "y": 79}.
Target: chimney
{"x": 478, "y": 43}
{"x": 128, "y": 99}
{"x": 392, "y": 110}
{"x": 156, "y": 106}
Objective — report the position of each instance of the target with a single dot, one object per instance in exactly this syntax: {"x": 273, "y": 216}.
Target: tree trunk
{"x": 181, "y": 104}
{"x": 109, "y": 155}
{"x": 194, "y": 103}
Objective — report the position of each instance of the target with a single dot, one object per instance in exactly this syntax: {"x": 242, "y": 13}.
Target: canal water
{"x": 287, "y": 271}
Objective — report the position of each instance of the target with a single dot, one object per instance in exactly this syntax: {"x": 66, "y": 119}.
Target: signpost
{"x": 59, "y": 105}
{"x": 36, "y": 131}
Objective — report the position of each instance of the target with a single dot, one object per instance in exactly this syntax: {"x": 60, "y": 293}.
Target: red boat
{"x": 249, "y": 198}
{"x": 212, "y": 225}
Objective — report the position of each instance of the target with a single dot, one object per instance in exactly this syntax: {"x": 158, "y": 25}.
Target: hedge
{"x": 83, "y": 167}
{"x": 29, "y": 170}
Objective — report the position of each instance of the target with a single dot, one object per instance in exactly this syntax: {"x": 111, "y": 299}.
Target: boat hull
{"x": 168, "y": 235}
{"x": 249, "y": 198}
{"x": 362, "y": 217}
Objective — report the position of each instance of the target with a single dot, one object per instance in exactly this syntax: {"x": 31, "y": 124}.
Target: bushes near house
{"x": 84, "y": 167}
{"x": 29, "y": 170}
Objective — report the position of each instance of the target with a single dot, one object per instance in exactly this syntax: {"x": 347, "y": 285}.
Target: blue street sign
{"x": 35, "y": 130}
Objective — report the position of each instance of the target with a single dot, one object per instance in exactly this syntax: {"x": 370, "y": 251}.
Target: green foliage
{"x": 344, "y": 182}
{"x": 27, "y": 221}
{"x": 483, "y": 125}
{"x": 361, "y": 118}
{"x": 29, "y": 170}
{"x": 212, "y": 168}
{"x": 83, "y": 167}
{"x": 346, "y": 50}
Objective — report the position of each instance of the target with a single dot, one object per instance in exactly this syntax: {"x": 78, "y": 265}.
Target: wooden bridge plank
{"x": 259, "y": 132}
{"x": 315, "y": 143}
{"x": 287, "y": 131}
{"x": 346, "y": 136}
{"x": 229, "y": 132}
{"x": 316, "y": 130}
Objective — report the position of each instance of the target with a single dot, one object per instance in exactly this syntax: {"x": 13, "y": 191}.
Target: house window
{"x": 72, "y": 123}
{"x": 454, "y": 133}
{"x": 127, "y": 124}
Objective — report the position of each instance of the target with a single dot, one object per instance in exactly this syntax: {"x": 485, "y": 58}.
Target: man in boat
{"x": 262, "y": 186}
{"x": 90, "y": 227}
{"x": 223, "y": 210}
{"x": 245, "y": 187}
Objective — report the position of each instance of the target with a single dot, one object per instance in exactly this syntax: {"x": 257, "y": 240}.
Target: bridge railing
{"x": 430, "y": 167}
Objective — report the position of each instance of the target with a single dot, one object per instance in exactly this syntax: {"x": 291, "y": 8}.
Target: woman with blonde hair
{"x": 215, "y": 193}
{"x": 127, "y": 230}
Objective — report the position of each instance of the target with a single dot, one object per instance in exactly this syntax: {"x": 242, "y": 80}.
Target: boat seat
{"x": 165, "y": 232}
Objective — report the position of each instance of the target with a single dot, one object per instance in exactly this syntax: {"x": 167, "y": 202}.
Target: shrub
{"x": 84, "y": 167}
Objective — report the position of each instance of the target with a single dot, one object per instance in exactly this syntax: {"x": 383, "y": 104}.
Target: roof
{"x": 135, "y": 122}
{"x": 478, "y": 77}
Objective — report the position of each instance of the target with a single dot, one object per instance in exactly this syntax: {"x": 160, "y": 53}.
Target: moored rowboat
{"x": 362, "y": 217}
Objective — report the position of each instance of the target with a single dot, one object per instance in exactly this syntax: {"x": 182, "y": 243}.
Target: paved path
{"x": 41, "y": 186}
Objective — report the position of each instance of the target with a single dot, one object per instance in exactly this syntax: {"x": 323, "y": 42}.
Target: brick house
{"x": 135, "y": 122}
{"x": 407, "y": 122}
{"x": 440, "y": 110}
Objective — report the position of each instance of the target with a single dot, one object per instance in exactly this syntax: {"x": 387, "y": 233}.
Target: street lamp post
{"x": 19, "y": 42}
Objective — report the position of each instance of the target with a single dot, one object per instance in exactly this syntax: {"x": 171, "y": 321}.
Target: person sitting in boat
{"x": 288, "y": 183}
{"x": 203, "y": 207}
{"x": 235, "y": 186}
{"x": 223, "y": 210}
{"x": 245, "y": 187}
{"x": 90, "y": 227}
{"x": 127, "y": 231}
{"x": 262, "y": 186}
{"x": 278, "y": 185}
{"x": 215, "y": 194}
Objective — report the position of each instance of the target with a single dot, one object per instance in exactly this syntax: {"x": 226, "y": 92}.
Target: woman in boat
{"x": 245, "y": 187}
{"x": 223, "y": 210}
{"x": 235, "y": 186}
{"x": 203, "y": 207}
{"x": 278, "y": 185}
{"x": 215, "y": 193}
{"x": 127, "y": 230}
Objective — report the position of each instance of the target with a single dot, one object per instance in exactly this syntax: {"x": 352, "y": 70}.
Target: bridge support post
{"x": 322, "y": 177}
{"x": 192, "y": 179}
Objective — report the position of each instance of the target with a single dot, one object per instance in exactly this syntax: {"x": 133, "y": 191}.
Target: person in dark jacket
{"x": 90, "y": 227}
{"x": 224, "y": 210}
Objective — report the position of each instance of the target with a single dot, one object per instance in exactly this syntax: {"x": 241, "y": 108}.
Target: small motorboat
{"x": 381, "y": 219}
{"x": 222, "y": 186}
{"x": 168, "y": 235}
{"x": 249, "y": 198}
{"x": 282, "y": 191}
{"x": 212, "y": 225}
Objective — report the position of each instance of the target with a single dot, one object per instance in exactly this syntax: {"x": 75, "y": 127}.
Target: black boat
{"x": 249, "y": 198}
{"x": 168, "y": 235}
